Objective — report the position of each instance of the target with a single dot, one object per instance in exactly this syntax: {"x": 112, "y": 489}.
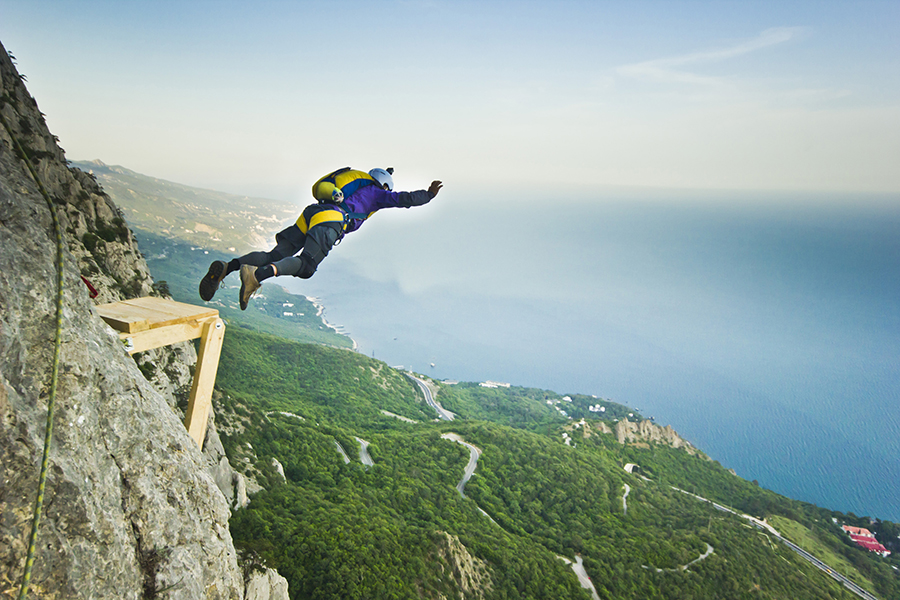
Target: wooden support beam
{"x": 204, "y": 379}
{"x": 149, "y": 322}
{"x": 162, "y": 336}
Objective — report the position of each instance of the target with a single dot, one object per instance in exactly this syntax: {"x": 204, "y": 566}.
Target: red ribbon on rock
{"x": 94, "y": 292}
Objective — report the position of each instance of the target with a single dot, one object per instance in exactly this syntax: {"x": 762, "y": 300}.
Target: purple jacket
{"x": 372, "y": 198}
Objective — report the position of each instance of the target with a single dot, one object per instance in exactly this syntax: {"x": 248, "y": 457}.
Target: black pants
{"x": 313, "y": 235}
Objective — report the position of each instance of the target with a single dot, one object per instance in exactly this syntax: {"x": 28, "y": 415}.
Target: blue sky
{"x": 263, "y": 98}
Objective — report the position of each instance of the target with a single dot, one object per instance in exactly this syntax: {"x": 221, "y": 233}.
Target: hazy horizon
{"x": 262, "y": 99}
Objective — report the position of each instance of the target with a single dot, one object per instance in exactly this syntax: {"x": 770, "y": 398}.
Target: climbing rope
{"x": 54, "y": 378}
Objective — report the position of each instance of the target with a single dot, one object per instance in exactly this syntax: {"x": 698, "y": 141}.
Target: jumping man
{"x": 346, "y": 198}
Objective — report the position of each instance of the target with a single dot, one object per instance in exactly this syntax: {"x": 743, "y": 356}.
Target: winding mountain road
{"x": 709, "y": 551}
{"x": 583, "y": 579}
{"x": 341, "y": 450}
{"x": 364, "y": 457}
{"x": 474, "y": 453}
{"x": 446, "y": 415}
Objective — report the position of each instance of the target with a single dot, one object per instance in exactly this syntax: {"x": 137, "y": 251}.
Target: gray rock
{"x": 279, "y": 467}
{"x": 232, "y": 484}
{"x": 241, "y": 499}
{"x": 130, "y": 507}
{"x": 648, "y": 432}
{"x": 268, "y": 585}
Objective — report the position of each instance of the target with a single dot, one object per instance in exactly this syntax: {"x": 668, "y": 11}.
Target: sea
{"x": 764, "y": 327}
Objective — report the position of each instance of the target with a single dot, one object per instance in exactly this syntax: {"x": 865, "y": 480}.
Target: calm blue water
{"x": 765, "y": 329}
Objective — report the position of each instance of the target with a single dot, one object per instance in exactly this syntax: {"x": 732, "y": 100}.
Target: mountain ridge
{"x": 175, "y": 209}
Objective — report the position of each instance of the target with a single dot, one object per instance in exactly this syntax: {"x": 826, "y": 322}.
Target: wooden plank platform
{"x": 141, "y": 314}
{"x": 149, "y": 322}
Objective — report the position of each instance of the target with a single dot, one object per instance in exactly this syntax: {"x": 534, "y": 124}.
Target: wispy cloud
{"x": 676, "y": 69}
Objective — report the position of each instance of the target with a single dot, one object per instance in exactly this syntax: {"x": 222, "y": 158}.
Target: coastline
{"x": 320, "y": 313}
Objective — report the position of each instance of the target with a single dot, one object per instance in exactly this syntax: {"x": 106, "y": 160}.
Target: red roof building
{"x": 857, "y": 531}
{"x": 864, "y": 538}
{"x": 873, "y": 547}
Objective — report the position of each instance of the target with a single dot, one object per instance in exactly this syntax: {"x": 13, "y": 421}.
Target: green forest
{"x": 344, "y": 530}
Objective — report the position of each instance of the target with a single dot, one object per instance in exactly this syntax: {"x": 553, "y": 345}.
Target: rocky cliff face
{"x": 649, "y": 432}
{"x": 471, "y": 576}
{"x": 131, "y": 506}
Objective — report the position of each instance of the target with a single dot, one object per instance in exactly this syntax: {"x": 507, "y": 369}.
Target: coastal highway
{"x": 446, "y": 415}
{"x": 803, "y": 553}
{"x": 834, "y": 574}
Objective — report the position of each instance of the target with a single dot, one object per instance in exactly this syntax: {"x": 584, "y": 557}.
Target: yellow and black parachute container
{"x": 347, "y": 180}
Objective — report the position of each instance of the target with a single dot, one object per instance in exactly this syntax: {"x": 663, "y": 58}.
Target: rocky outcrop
{"x": 472, "y": 576}
{"x": 649, "y": 432}
{"x": 279, "y": 468}
{"x": 588, "y": 428}
{"x": 266, "y": 585}
{"x": 131, "y": 508}
{"x": 231, "y": 483}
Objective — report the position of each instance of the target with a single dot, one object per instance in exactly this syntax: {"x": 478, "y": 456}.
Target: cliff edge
{"x": 644, "y": 432}
{"x": 131, "y": 506}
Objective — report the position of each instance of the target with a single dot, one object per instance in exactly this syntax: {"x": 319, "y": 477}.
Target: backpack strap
{"x": 348, "y": 215}
{"x": 310, "y": 219}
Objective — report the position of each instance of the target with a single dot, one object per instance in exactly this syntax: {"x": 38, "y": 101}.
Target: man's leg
{"x": 319, "y": 241}
{"x": 287, "y": 242}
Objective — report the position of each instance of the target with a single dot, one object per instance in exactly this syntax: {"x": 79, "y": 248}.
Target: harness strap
{"x": 354, "y": 215}
{"x": 323, "y": 216}
{"x": 341, "y": 213}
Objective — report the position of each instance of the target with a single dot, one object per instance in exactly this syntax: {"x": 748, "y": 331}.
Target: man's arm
{"x": 372, "y": 198}
{"x": 409, "y": 199}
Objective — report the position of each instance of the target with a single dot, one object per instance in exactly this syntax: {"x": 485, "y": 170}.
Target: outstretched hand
{"x": 434, "y": 188}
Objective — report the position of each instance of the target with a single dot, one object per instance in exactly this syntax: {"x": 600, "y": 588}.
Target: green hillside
{"x": 199, "y": 217}
{"x": 339, "y": 530}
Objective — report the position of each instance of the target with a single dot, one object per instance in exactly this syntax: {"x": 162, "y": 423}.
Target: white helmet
{"x": 383, "y": 177}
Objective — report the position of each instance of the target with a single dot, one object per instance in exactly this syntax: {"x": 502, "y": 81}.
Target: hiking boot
{"x": 249, "y": 284}
{"x": 210, "y": 282}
